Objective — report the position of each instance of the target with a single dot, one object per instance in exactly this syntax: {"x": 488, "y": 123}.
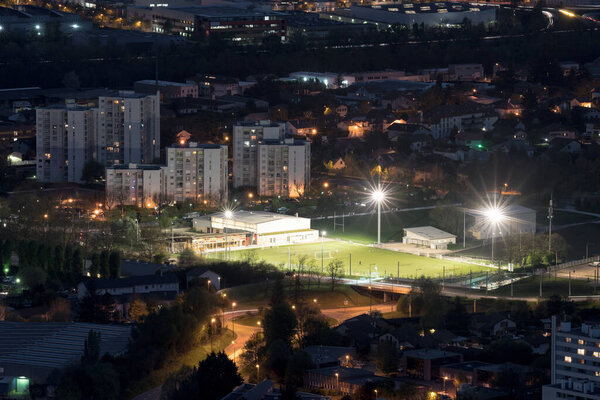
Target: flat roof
{"x": 254, "y": 217}
{"x": 222, "y": 12}
{"x": 429, "y": 354}
{"x": 425, "y": 8}
{"x": 430, "y": 232}
{"x": 163, "y": 83}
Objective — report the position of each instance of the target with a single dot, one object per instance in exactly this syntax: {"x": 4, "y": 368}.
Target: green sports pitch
{"x": 379, "y": 262}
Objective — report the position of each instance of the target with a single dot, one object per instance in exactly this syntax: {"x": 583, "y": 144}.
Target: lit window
{"x": 596, "y": 354}
{"x": 568, "y": 340}
{"x": 581, "y": 352}
{"x": 568, "y": 359}
{"x": 580, "y": 341}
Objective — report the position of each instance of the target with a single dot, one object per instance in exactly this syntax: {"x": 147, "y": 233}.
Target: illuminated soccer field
{"x": 364, "y": 258}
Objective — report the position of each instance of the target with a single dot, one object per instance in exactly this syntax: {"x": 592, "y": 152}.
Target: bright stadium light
{"x": 228, "y": 214}
{"x": 495, "y": 216}
{"x": 378, "y": 196}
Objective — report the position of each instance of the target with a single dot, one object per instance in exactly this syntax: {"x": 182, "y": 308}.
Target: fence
{"x": 568, "y": 264}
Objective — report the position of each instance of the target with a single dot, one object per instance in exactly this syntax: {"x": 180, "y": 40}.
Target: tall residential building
{"x": 575, "y": 364}
{"x": 265, "y": 158}
{"x": 81, "y": 140}
{"x": 51, "y": 144}
{"x": 196, "y": 172}
{"x": 136, "y": 185}
{"x": 123, "y": 129}
{"x": 283, "y": 168}
{"x": 128, "y": 129}
{"x": 246, "y": 137}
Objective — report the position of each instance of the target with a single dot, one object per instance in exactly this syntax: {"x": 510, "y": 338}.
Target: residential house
{"x": 491, "y": 325}
{"x": 539, "y": 344}
{"x": 507, "y": 108}
{"x": 266, "y": 390}
{"x": 301, "y": 127}
{"x": 404, "y": 338}
{"x": 464, "y": 370}
{"x": 442, "y": 120}
{"x": 140, "y": 268}
{"x": 356, "y": 127}
{"x": 345, "y": 380}
{"x": 425, "y": 363}
{"x": 204, "y": 273}
{"x": 336, "y": 165}
{"x": 361, "y": 330}
{"x": 565, "y": 145}
{"x": 330, "y": 356}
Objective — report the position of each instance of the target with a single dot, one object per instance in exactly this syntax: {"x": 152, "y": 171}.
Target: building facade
{"x": 168, "y": 90}
{"x": 123, "y": 129}
{"x": 51, "y": 144}
{"x": 128, "y": 129}
{"x": 196, "y": 172}
{"x": 575, "y": 364}
{"x": 263, "y": 157}
{"x": 135, "y": 185}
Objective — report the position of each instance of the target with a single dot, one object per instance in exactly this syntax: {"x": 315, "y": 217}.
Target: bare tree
{"x": 334, "y": 271}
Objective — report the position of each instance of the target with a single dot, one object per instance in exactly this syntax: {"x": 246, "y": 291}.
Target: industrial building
{"x": 238, "y": 25}
{"x": 407, "y": 14}
{"x": 428, "y": 236}
{"x": 28, "y": 19}
{"x": 245, "y": 228}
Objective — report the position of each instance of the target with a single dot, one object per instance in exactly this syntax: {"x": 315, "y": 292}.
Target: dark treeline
{"x": 44, "y": 63}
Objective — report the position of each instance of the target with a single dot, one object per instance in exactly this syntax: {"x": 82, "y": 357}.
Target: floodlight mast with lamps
{"x": 378, "y": 196}
{"x": 228, "y": 215}
{"x": 495, "y": 216}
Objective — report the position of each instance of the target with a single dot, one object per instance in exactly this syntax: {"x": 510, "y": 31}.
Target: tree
{"x": 297, "y": 366}
{"x": 33, "y": 277}
{"x": 91, "y": 348}
{"x": 217, "y": 368}
{"x": 188, "y": 258}
{"x": 104, "y": 264}
{"x": 138, "y": 310}
{"x": 279, "y": 322}
{"x": 77, "y": 265}
{"x": 334, "y": 270}
{"x": 114, "y": 264}
{"x": 93, "y": 171}
{"x": 386, "y": 358}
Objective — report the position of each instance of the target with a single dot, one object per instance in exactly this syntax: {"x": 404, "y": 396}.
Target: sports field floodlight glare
{"x": 378, "y": 197}
{"x": 228, "y": 213}
{"x": 494, "y": 215}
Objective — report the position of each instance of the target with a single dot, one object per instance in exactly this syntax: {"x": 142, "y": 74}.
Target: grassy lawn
{"x": 258, "y": 294}
{"x": 531, "y": 287}
{"x": 191, "y": 358}
{"x": 363, "y": 229}
{"x": 251, "y": 320}
{"x": 364, "y": 258}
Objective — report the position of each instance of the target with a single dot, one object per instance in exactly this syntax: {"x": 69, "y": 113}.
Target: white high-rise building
{"x": 265, "y": 158}
{"x": 283, "y": 168}
{"x": 128, "y": 129}
{"x": 575, "y": 363}
{"x": 81, "y": 140}
{"x": 136, "y": 185}
{"x": 122, "y": 129}
{"x": 246, "y": 138}
{"x": 196, "y": 172}
{"x": 51, "y": 144}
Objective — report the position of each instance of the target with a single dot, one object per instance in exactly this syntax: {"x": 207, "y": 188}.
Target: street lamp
{"x": 378, "y": 197}
{"x": 323, "y": 233}
{"x": 212, "y": 322}
{"x": 337, "y": 381}
{"x": 257, "y": 372}
{"x": 445, "y": 379}
{"x": 233, "y": 317}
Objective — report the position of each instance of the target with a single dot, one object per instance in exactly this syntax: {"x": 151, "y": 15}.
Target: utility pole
{"x": 350, "y": 273}
{"x": 464, "y": 228}
{"x": 541, "y": 277}
{"x": 550, "y": 216}
{"x": 569, "y": 283}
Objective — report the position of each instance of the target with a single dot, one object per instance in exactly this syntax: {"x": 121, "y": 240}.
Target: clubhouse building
{"x": 428, "y": 236}
{"x": 221, "y": 230}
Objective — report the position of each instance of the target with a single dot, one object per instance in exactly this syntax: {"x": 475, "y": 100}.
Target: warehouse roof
{"x": 35, "y": 349}
{"x": 254, "y": 217}
{"x": 429, "y": 232}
